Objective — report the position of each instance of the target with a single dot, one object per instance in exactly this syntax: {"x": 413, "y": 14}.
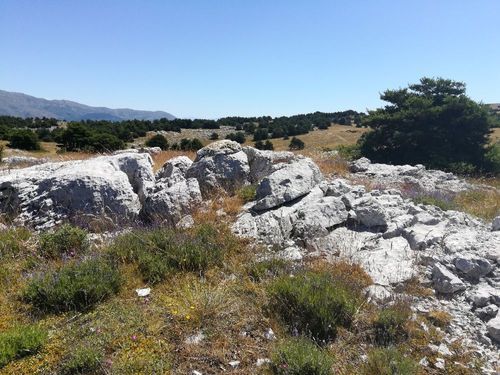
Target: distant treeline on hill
{"x": 109, "y": 135}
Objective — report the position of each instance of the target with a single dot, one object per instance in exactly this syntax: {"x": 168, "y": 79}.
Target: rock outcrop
{"x": 297, "y": 213}
{"x": 110, "y": 187}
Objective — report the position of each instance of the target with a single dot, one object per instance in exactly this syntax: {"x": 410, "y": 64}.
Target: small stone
{"x": 262, "y": 361}
{"x": 269, "y": 334}
{"x": 440, "y": 363}
{"x": 144, "y": 292}
{"x": 443, "y": 350}
{"x": 195, "y": 339}
{"x": 424, "y": 362}
{"x": 494, "y": 328}
{"x": 194, "y": 372}
{"x": 487, "y": 312}
{"x": 234, "y": 364}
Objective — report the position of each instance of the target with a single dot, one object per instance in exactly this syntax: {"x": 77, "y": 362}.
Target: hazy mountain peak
{"x": 22, "y": 105}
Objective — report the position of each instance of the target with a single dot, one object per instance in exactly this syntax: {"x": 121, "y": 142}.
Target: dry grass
{"x": 495, "y": 135}
{"x": 481, "y": 203}
{"x": 439, "y": 318}
{"x": 327, "y": 139}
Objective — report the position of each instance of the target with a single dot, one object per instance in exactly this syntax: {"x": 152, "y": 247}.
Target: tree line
{"x": 99, "y": 136}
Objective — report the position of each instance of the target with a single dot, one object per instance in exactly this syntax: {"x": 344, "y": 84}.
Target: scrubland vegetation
{"x": 68, "y": 308}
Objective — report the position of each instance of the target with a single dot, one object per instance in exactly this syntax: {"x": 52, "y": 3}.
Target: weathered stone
{"x": 222, "y": 165}
{"x": 445, "y": 281}
{"x": 110, "y": 187}
{"x": 286, "y": 184}
{"x": 494, "y": 328}
{"x": 473, "y": 267}
{"x": 370, "y": 212}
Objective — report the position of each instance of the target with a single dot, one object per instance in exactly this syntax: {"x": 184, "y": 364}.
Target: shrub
{"x": 160, "y": 252}
{"x": 439, "y": 318}
{"x": 64, "y": 240}
{"x": 20, "y": 341}
{"x": 301, "y": 357}
{"x": 24, "y": 139}
{"x": 269, "y": 268}
{"x": 13, "y": 241}
{"x": 313, "y": 303}
{"x": 247, "y": 193}
{"x": 104, "y": 142}
{"x": 442, "y": 203}
{"x": 76, "y": 286}
{"x": 158, "y": 140}
{"x": 214, "y": 136}
{"x": 2, "y": 149}
{"x": 85, "y": 359}
{"x": 267, "y": 145}
{"x": 190, "y": 144}
{"x": 389, "y": 361}
{"x": 237, "y": 137}
{"x": 349, "y": 152}
{"x": 296, "y": 144}
{"x": 389, "y": 324}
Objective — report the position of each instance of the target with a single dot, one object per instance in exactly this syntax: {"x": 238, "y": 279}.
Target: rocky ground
{"x": 297, "y": 213}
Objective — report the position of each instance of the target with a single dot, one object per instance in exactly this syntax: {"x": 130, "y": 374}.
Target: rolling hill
{"x": 22, "y": 105}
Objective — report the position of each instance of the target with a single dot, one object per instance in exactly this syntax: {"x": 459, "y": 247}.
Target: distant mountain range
{"x": 22, "y": 105}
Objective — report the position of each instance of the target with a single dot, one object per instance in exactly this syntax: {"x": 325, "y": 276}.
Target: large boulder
{"x": 221, "y": 165}
{"x": 107, "y": 187}
{"x": 174, "y": 196}
{"x": 291, "y": 181}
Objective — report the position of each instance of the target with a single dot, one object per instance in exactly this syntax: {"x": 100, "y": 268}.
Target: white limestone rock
{"x": 289, "y": 182}
{"x": 494, "y": 328}
{"x": 221, "y": 165}
{"x": 445, "y": 281}
{"x": 106, "y": 187}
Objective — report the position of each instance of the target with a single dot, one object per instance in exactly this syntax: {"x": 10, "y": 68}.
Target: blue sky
{"x": 211, "y": 58}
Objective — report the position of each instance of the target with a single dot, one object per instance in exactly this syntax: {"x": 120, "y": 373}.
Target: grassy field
{"x": 316, "y": 140}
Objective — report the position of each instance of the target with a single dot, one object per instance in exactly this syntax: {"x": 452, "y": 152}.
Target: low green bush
{"x": 349, "y": 152}
{"x": 76, "y": 286}
{"x": 13, "y": 241}
{"x": 247, "y": 193}
{"x": 24, "y": 139}
{"x": 443, "y": 204}
{"x": 161, "y": 252}
{"x": 63, "y": 240}
{"x": 84, "y": 359}
{"x": 389, "y": 324}
{"x": 389, "y": 361}
{"x": 300, "y": 356}
{"x": 20, "y": 341}
{"x": 272, "y": 267}
{"x": 313, "y": 303}
{"x": 158, "y": 140}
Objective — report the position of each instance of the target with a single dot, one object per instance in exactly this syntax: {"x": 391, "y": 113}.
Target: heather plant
{"x": 75, "y": 286}
{"x": 389, "y": 361}
{"x": 164, "y": 251}
{"x": 389, "y": 324}
{"x": 64, "y": 240}
{"x": 313, "y": 303}
{"x": 20, "y": 341}
{"x": 300, "y": 356}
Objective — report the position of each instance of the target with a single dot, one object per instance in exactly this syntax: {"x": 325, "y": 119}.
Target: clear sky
{"x": 211, "y": 58}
